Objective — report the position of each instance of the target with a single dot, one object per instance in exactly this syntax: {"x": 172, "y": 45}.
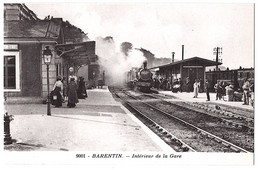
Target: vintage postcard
{"x": 128, "y": 83}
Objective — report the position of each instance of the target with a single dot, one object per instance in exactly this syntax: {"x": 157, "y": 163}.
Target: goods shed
{"x": 186, "y": 70}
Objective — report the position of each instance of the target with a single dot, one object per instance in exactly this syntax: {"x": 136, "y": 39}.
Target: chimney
{"x": 182, "y": 52}
{"x": 173, "y": 56}
{"x": 145, "y": 64}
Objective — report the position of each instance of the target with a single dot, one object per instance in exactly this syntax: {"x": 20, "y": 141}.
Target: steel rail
{"x": 218, "y": 139}
{"x": 230, "y": 114}
{"x": 228, "y": 122}
{"x": 185, "y": 147}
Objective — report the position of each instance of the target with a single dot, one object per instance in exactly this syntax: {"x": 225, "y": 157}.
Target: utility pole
{"x": 217, "y": 51}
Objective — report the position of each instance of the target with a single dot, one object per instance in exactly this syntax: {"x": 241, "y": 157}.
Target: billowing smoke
{"x": 114, "y": 62}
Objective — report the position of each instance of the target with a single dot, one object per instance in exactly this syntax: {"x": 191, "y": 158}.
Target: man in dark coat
{"x": 188, "y": 85}
{"x": 218, "y": 89}
{"x": 207, "y": 86}
{"x": 72, "y": 93}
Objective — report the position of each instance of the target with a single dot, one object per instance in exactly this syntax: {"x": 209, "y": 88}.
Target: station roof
{"x": 32, "y": 29}
{"x": 205, "y": 62}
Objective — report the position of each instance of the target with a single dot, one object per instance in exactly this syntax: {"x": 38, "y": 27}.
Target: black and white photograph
{"x": 112, "y": 84}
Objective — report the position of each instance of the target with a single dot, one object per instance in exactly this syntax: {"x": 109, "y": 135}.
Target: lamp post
{"x": 47, "y": 57}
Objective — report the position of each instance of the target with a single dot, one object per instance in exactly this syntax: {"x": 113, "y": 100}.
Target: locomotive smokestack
{"x": 182, "y": 52}
{"x": 173, "y": 56}
{"x": 145, "y": 64}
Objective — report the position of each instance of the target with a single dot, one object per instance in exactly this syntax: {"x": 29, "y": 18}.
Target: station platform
{"x": 97, "y": 123}
{"x": 185, "y": 96}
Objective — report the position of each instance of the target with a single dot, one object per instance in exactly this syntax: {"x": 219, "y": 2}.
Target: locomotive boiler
{"x": 140, "y": 78}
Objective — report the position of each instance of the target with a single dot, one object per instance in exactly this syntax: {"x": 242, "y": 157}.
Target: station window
{"x": 11, "y": 71}
{"x": 58, "y": 69}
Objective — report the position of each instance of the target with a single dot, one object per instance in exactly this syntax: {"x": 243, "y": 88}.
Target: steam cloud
{"x": 114, "y": 62}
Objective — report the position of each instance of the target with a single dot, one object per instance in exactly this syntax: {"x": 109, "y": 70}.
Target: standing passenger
{"x": 72, "y": 93}
{"x": 196, "y": 87}
{"x": 223, "y": 90}
{"x": 246, "y": 87}
{"x": 207, "y": 86}
{"x": 218, "y": 90}
{"x": 57, "y": 92}
{"x": 252, "y": 95}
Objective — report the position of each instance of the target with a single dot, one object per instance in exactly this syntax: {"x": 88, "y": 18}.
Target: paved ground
{"x": 98, "y": 123}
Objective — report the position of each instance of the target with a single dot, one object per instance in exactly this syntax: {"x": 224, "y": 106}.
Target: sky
{"x": 163, "y": 28}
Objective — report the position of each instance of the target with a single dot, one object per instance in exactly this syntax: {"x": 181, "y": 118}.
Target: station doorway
{"x": 191, "y": 74}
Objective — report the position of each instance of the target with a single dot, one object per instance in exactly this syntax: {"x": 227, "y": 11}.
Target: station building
{"x": 25, "y": 38}
{"x": 187, "y": 70}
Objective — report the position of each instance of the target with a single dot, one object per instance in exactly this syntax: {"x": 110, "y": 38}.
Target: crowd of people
{"x": 224, "y": 90}
{"x": 164, "y": 84}
{"x": 70, "y": 93}
{"x": 220, "y": 89}
{"x": 76, "y": 89}
{"x": 161, "y": 83}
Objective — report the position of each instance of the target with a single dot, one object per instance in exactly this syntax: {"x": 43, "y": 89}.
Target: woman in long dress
{"x": 56, "y": 94}
{"x": 196, "y": 87}
{"x": 72, "y": 93}
{"x": 82, "y": 92}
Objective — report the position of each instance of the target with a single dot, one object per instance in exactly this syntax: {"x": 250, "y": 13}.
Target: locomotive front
{"x": 144, "y": 82}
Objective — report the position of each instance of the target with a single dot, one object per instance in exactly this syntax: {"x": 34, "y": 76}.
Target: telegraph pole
{"x": 217, "y": 51}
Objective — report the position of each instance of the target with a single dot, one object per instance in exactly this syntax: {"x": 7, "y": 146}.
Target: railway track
{"x": 213, "y": 108}
{"x": 183, "y": 136}
{"x": 244, "y": 123}
{"x": 228, "y": 128}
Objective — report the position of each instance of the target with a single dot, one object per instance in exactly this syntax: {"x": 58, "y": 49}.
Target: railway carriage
{"x": 235, "y": 77}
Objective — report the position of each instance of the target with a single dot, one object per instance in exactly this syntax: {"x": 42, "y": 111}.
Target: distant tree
{"x": 152, "y": 61}
{"x": 126, "y": 47}
{"x": 108, "y": 39}
{"x": 148, "y": 55}
{"x": 73, "y": 33}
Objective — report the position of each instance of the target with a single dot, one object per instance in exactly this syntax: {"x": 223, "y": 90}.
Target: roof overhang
{"x": 78, "y": 53}
{"x": 205, "y": 62}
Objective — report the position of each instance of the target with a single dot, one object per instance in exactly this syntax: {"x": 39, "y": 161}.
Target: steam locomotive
{"x": 140, "y": 78}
